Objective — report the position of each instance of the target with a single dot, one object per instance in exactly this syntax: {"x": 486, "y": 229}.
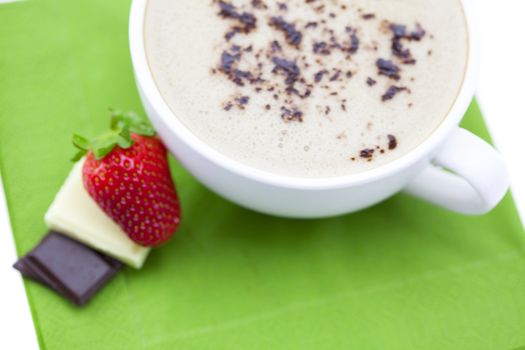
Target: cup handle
{"x": 467, "y": 175}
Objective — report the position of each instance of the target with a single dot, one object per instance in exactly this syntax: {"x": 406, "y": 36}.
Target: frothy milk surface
{"x": 308, "y": 88}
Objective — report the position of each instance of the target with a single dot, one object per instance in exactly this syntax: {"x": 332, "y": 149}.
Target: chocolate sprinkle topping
{"x": 321, "y": 48}
{"x": 243, "y": 100}
{"x": 289, "y": 68}
{"x": 259, "y": 4}
{"x": 228, "y": 60}
{"x": 367, "y": 153}
{"x": 392, "y": 92}
{"x": 336, "y": 75}
{"x": 293, "y": 114}
{"x": 303, "y": 72}
{"x": 319, "y": 75}
{"x": 276, "y": 46}
{"x": 354, "y": 40}
{"x": 246, "y": 19}
{"x": 282, "y": 6}
{"x": 392, "y": 142}
{"x": 293, "y": 36}
{"x": 311, "y": 25}
{"x": 400, "y": 33}
{"x": 388, "y": 69}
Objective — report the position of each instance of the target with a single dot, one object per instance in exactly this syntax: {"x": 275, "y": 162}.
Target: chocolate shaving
{"x": 282, "y": 6}
{"x": 243, "y": 100}
{"x": 418, "y": 33}
{"x": 319, "y": 75}
{"x": 259, "y": 4}
{"x": 370, "y": 82}
{"x": 321, "y": 48}
{"x": 392, "y": 92}
{"x": 354, "y": 40}
{"x": 228, "y": 60}
{"x": 231, "y": 34}
{"x": 247, "y": 20}
{"x": 293, "y": 36}
{"x": 336, "y": 75}
{"x": 400, "y": 33}
{"x": 311, "y": 25}
{"x": 398, "y": 30}
{"x": 392, "y": 142}
{"x": 289, "y": 68}
{"x": 388, "y": 69}
{"x": 227, "y": 66}
{"x": 276, "y": 46}
{"x": 366, "y": 153}
{"x": 293, "y": 114}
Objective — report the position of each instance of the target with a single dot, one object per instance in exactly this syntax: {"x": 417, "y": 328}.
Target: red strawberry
{"x": 126, "y": 172}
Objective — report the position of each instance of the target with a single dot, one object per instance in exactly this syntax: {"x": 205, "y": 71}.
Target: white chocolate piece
{"x": 74, "y": 213}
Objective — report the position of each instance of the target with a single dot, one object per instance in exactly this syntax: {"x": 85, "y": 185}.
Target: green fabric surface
{"x": 401, "y": 275}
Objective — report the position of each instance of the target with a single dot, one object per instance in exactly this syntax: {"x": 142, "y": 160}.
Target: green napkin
{"x": 402, "y": 275}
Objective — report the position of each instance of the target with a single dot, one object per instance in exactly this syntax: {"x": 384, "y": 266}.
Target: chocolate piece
{"x": 321, "y": 48}
{"x": 400, "y": 32}
{"x": 276, "y": 46}
{"x": 282, "y": 6}
{"x": 246, "y": 19}
{"x": 227, "y": 61}
{"x": 354, "y": 40}
{"x": 290, "y": 69}
{"x": 243, "y": 100}
{"x": 293, "y": 36}
{"x": 418, "y": 33}
{"x": 26, "y": 270}
{"x": 69, "y": 267}
{"x": 392, "y": 92}
{"x": 319, "y": 75}
{"x": 370, "y": 82}
{"x": 392, "y": 142}
{"x": 293, "y": 114}
{"x": 228, "y": 106}
{"x": 259, "y": 4}
{"x": 366, "y": 153}
{"x": 368, "y": 16}
{"x": 311, "y": 25}
{"x": 336, "y": 75}
{"x": 388, "y": 69}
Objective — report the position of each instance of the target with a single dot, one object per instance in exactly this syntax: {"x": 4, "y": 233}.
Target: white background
{"x": 501, "y": 93}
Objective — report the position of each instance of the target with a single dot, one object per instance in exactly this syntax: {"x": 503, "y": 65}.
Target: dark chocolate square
{"x": 26, "y": 270}
{"x": 69, "y": 267}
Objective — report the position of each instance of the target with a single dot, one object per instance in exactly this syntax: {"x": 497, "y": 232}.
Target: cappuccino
{"x": 308, "y": 88}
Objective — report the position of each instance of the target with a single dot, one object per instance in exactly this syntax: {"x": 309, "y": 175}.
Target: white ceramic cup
{"x": 475, "y": 182}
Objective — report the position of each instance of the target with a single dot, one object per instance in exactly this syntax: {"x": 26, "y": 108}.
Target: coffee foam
{"x": 185, "y": 40}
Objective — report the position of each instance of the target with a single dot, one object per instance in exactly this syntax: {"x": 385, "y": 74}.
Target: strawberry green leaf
{"x": 78, "y": 155}
{"x": 123, "y": 124}
{"x": 101, "y": 152}
{"x": 81, "y": 142}
{"x": 134, "y": 122}
{"x": 125, "y": 140}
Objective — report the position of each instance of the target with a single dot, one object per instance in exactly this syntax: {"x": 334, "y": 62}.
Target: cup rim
{"x": 150, "y": 91}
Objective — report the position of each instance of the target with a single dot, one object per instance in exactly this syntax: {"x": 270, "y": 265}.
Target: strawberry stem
{"x": 123, "y": 124}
